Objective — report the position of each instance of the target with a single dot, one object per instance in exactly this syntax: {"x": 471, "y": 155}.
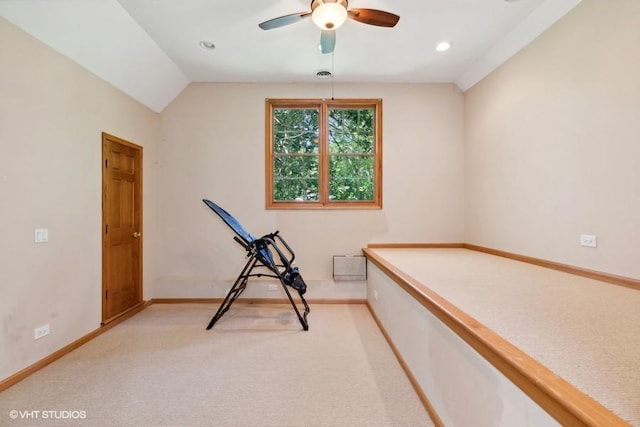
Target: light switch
{"x": 42, "y": 235}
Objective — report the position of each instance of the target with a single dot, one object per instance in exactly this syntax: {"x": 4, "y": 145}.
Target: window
{"x": 323, "y": 154}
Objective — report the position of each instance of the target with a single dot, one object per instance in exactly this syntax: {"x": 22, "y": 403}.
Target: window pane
{"x": 295, "y": 178}
{"x": 324, "y": 154}
{"x": 351, "y": 130}
{"x": 351, "y": 178}
{"x": 295, "y": 130}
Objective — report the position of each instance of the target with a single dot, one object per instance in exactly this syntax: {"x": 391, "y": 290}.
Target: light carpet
{"x": 584, "y": 330}
{"x": 256, "y": 367}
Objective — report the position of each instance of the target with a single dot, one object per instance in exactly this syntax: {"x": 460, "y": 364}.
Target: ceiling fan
{"x": 331, "y": 14}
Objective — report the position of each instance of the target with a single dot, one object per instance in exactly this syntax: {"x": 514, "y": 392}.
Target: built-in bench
{"x": 492, "y": 341}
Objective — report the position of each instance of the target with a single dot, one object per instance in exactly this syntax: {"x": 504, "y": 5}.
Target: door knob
{"x": 136, "y": 234}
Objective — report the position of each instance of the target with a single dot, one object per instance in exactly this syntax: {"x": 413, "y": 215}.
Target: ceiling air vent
{"x": 323, "y": 74}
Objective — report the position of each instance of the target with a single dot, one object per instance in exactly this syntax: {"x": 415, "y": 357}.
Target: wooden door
{"x": 121, "y": 227}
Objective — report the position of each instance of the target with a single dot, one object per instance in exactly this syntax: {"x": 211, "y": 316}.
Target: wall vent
{"x": 352, "y": 268}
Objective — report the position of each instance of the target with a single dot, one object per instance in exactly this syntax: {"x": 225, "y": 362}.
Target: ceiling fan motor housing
{"x": 316, "y": 3}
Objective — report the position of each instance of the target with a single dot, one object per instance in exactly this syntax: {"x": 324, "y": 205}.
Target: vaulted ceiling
{"x": 150, "y": 49}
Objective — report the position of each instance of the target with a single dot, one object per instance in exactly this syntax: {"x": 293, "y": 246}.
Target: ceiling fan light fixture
{"x": 329, "y": 16}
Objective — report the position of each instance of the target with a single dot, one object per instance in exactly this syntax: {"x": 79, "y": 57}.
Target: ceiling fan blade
{"x": 281, "y": 21}
{"x": 376, "y": 17}
{"x": 328, "y": 41}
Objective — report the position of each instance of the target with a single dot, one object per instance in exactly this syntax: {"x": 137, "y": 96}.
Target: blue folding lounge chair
{"x": 260, "y": 252}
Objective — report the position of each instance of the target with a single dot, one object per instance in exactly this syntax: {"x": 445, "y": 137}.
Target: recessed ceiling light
{"x": 206, "y": 45}
{"x": 443, "y": 46}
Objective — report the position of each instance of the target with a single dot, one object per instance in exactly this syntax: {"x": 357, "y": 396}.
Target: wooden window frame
{"x": 323, "y": 106}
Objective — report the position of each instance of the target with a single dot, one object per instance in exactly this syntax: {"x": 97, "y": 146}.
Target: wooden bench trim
{"x": 415, "y": 245}
{"x": 561, "y": 400}
{"x": 578, "y": 271}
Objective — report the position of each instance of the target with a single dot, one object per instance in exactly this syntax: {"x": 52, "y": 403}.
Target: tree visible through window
{"x": 323, "y": 153}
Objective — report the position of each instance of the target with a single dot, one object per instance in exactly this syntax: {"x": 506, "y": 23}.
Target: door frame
{"x": 139, "y": 290}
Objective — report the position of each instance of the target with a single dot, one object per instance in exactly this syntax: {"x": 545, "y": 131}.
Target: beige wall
{"x": 553, "y": 144}
{"x": 212, "y": 146}
{"x": 52, "y": 113}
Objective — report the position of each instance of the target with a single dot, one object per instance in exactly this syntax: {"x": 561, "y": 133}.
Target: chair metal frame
{"x": 260, "y": 254}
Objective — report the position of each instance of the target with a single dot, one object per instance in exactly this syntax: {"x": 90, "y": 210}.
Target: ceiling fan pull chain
{"x": 333, "y": 73}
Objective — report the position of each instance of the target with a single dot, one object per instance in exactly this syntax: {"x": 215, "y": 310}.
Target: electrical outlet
{"x": 40, "y": 332}
{"x": 375, "y": 295}
{"x": 273, "y": 287}
{"x": 588, "y": 241}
